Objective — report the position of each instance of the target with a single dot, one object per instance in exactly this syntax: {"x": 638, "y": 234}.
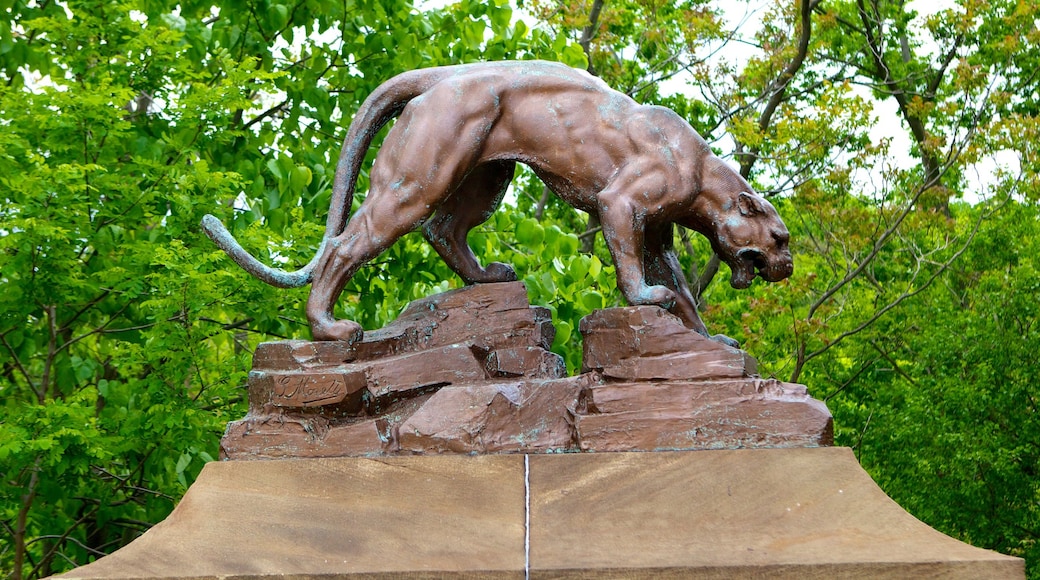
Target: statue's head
{"x": 752, "y": 239}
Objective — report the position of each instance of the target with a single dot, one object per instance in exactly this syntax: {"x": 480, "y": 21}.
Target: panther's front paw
{"x": 656, "y": 296}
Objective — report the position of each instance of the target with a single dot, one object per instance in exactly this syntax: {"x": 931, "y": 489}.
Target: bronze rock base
{"x": 469, "y": 371}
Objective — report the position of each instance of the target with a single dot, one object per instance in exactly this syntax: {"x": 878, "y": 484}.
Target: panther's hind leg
{"x": 379, "y": 222}
{"x": 470, "y": 205}
{"x": 419, "y": 165}
{"x": 342, "y": 258}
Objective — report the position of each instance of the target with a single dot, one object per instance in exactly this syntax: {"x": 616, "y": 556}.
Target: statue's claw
{"x": 655, "y": 296}
{"x": 722, "y": 338}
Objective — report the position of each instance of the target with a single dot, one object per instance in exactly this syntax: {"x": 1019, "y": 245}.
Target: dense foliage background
{"x": 125, "y": 335}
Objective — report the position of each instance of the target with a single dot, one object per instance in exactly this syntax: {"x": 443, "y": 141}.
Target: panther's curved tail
{"x": 385, "y": 103}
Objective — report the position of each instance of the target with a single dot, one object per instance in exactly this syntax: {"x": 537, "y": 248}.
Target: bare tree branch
{"x": 273, "y": 110}
{"x": 17, "y": 362}
{"x": 539, "y": 208}
{"x": 851, "y": 379}
{"x": 589, "y": 31}
{"x": 22, "y": 520}
{"x": 882, "y": 241}
{"x": 778, "y": 87}
{"x": 804, "y": 357}
{"x": 104, "y": 294}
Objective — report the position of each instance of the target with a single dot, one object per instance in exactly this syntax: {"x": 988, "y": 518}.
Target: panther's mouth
{"x": 748, "y": 263}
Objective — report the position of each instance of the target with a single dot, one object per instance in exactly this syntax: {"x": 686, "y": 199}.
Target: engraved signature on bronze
{"x": 308, "y": 390}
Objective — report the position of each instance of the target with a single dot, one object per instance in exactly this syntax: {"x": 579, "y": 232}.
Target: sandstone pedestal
{"x": 768, "y": 513}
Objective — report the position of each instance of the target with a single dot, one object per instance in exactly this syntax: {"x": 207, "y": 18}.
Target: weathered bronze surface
{"x": 447, "y": 162}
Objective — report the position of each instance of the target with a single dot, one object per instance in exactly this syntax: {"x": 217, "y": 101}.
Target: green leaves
{"x": 288, "y": 177}
{"x": 112, "y": 340}
{"x": 529, "y": 232}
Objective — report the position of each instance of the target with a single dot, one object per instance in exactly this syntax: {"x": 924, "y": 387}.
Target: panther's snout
{"x": 783, "y": 268}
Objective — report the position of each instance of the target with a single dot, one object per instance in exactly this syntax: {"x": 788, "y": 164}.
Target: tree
{"x": 958, "y": 413}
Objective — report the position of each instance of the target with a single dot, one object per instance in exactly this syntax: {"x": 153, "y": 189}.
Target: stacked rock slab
{"x": 469, "y": 371}
{"x": 663, "y": 387}
{"x": 458, "y": 372}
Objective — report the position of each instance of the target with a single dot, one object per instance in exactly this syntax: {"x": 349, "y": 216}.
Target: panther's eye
{"x": 781, "y": 238}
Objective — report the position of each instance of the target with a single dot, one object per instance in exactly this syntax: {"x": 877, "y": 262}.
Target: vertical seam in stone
{"x": 527, "y": 518}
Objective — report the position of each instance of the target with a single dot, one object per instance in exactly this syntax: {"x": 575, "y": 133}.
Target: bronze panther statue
{"x": 447, "y": 161}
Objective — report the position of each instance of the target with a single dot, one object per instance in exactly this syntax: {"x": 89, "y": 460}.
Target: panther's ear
{"x": 749, "y": 205}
